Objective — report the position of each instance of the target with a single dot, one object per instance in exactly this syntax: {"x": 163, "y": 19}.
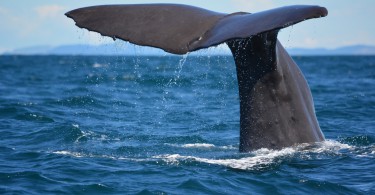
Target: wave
{"x": 202, "y": 146}
{"x": 266, "y": 157}
{"x": 24, "y": 112}
{"x": 81, "y": 101}
{"x": 46, "y": 183}
{"x": 99, "y": 65}
{"x": 74, "y": 154}
{"x": 256, "y": 160}
{"x": 261, "y": 157}
{"x": 103, "y": 156}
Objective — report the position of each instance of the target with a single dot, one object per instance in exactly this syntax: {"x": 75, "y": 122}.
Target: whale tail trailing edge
{"x": 276, "y": 106}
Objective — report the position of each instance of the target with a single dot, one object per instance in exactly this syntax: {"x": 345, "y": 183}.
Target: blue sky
{"x": 42, "y": 22}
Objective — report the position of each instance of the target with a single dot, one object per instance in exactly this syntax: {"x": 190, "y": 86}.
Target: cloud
{"x": 49, "y": 10}
{"x": 14, "y": 23}
{"x": 310, "y": 42}
{"x": 253, "y": 5}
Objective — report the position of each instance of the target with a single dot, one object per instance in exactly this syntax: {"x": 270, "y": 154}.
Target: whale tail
{"x": 276, "y": 107}
{"x": 180, "y": 29}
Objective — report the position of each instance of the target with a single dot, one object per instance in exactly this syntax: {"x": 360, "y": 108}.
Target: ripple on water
{"x": 23, "y": 113}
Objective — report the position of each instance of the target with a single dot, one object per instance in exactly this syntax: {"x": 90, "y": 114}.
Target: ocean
{"x": 170, "y": 125}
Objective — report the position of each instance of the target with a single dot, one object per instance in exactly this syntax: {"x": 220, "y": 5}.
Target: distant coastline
{"x": 129, "y": 49}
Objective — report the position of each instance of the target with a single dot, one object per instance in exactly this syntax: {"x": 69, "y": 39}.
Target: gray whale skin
{"x": 276, "y": 105}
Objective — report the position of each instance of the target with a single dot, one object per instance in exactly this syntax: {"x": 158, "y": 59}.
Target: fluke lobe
{"x": 276, "y": 106}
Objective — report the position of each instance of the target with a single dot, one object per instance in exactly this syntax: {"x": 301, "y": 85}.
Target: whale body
{"x": 276, "y": 105}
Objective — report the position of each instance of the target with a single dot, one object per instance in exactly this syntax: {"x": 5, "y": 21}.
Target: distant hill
{"x": 129, "y": 49}
{"x": 105, "y": 49}
{"x": 348, "y": 50}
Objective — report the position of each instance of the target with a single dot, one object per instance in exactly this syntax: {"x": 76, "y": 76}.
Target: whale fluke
{"x": 180, "y": 29}
{"x": 276, "y": 106}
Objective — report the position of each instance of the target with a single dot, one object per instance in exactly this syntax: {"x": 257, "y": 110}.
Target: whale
{"x": 276, "y": 104}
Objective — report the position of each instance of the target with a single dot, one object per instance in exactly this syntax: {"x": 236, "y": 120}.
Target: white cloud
{"x": 15, "y": 23}
{"x": 310, "y": 42}
{"x": 49, "y": 10}
{"x": 253, "y": 5}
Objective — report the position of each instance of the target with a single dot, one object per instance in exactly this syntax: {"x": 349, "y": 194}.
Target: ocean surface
{"x": 170, "y": 125}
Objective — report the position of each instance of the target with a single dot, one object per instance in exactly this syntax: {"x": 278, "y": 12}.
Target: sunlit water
{"x": 171, "y": 125}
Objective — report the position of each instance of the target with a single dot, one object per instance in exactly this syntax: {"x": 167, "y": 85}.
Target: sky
{"x": 43, "y": 23}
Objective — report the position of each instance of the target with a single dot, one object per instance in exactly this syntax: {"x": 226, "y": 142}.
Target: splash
{"x": 256, "y": 160}
{"x": 68, "y": 153}
{"x": 173, "y": 81}
{"x": 202, "y": 146}
{"x": 263, "y": 157}
{"x": 99, "y": 65}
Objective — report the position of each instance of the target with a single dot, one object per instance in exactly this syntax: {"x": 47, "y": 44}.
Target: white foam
{"x": 198, "y": 145}
{"x": 201, "y": 145}
{"x": 366, "y": 152}
{"x": 84, "y": 134}
{"x": 333, "y": 145}
{"x": 93, "y": 135}
{"x": 260, "y": 157}
{"x": 68, "y": 153}
{"x": 75, "y": 125}
{"x": 82, "y": 155}
{"x": 325, "y": 146}
{"x": 97, "y": 65}
{"x": 253, "y": 160}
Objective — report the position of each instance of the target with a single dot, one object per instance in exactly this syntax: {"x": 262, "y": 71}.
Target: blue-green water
{"x": 170, "y": 124}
